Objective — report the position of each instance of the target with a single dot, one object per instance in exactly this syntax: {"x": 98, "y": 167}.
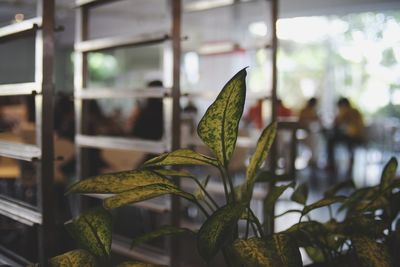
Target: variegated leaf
{"x": 143, "y": 193}
{"x": 174, "y": 173}
{"x": 180, "y": 157}
{"x": 286, "y": 249}
{"x": 371, "y": 253}
{"x": 388, "y": 173}
{"x": 138, "y": 264}
{"x": 300, "y": 195}
{"x": 263, "y": 146}
{"x": 118, "y": 182}
{"x": 322, "y": 203}
{"x": 93, "y": 230}
{"x": 219, "y": 126}
{"x": 218, "y": 229}
{"x": 74, "y": 258}
{"x": 162, "y": 231}
{"x": 339, "y": 186}
{"x": 254, "y": 252}
{"x": 302, "y": 231}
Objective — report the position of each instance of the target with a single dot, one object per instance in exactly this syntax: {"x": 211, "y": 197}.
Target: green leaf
{"x": 322, "y": 203}
{"x": 357, "y": 197}
{"x": 286, "y": 249}
{"x": 218, "y": 229}
{"x": 315, "y": 254}
{"x": 118, "y": 182}
{"x": 219, "y": 126}
{"x": 180, "y": 157}
{"x": 162, "y": 231}
{"x": 137, "y": 264}
{"x": 74, "y": 258}
{"x": 388, "y": 173}
{"x": 254, "y": 252}
{"x": 143, "y": 193}
{"x": 371, "y": 253}
{"x": 263, "y": 146}
{"x": 174, "y": 173}
{"x": 300, "y": 195}
{"x": 364, "y": 226}
{"x": 339, "y": 186}
{"x": 93, "y": 231}
{"x": 273, "y": 195}
{"x": 303, "y": 231}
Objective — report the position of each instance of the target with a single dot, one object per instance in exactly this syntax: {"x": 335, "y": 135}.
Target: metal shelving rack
{"x": 170, "y": 97}
{"x": 42, "y": 152}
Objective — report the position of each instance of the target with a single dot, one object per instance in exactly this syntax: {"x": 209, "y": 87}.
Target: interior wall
{"x": 296, "y": 8}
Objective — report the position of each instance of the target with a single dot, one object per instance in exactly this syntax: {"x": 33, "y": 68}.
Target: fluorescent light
{"x": 204, "y": 5}
{"x": 217, "y": 48}
{"x": 258, "y": 29}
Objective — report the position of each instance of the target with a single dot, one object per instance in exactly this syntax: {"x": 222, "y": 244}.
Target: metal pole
{"x": 44, "y": 108}
{"x": 274, "y": 97}
{"x": 80, "y": 79}
{"x": 176, "y": 118}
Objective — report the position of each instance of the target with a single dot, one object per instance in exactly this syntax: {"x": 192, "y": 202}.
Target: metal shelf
{"x": 152, "y": 205}
{"x": 81, "y": 3}
{"x": 19, "y": 89}
{"x": 20, "y": 27}
{"x": 209, "y": 5}
{"x": 19, "y": 212}
{"x": 121, "y": 143}
{"x": 97, "y": 93}
{"x": 121, "y": 41}
{"x": 19, "y": 151}
{"x": 144, "y": 253}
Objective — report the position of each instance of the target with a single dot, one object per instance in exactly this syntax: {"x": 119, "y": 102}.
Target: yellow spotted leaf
{"x": 388, "y": 173}
{"x": 143, "y": 193}
{"x": 118, "y": 182}
{"x": 322, "y": 203}
{"x": 218, "y": 229}
{"x": 74, "y": 258}
{"x": 263, "y": 146}
{"x": 254, "y": 252}
{"x": 285, "y": 247}
{"x": 180, "y": 157}
{"x": 371, "y": 253}
{"x": 162, "y": 231}
{"x": 93, "y": 230}
{"x": 219, "y": 126}
{"x": 138, "y": 264}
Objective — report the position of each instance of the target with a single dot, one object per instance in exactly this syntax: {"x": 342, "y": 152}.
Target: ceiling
{"x": 110, "y": 18}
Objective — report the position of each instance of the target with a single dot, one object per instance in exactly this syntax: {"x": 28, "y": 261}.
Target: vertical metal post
{"x": 44, "y": 108}
{"x": 176, "y": 117}
{"x": 80, "y": 80}
{"x": 274, "y": 98}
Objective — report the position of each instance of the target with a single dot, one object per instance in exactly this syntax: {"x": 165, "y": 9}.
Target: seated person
{"x": 348, "y": 128}
{"x": 310, "y": 120}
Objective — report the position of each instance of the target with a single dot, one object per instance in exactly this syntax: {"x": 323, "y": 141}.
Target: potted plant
{"x": 367, "y": 235}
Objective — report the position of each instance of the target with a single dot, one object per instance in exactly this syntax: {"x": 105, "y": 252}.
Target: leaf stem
{"x": 286, "y": 212}
{"x": 224, "y": 183}
{"x": 201, "y": 208}
{"x": 206, "y": 193}
{"x": 247, "y": 224}
{"x": 257, "y": 222}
